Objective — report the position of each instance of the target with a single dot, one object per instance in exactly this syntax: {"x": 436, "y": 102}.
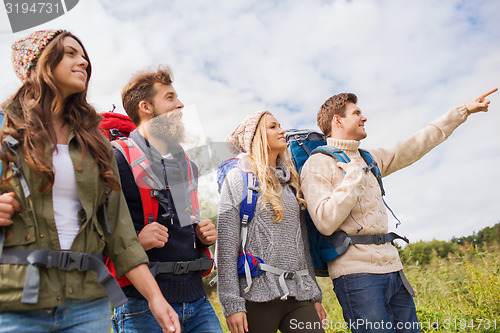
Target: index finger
{"x": 489, "y": 93}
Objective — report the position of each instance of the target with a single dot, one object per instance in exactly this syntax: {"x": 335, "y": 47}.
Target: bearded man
{"x": 173, "y": 235}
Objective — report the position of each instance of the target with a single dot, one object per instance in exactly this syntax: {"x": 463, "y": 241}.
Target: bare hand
{"x": 8, "y": 205}
{"x": 153, "y": 235}
{"x": 321, "y": 312}
{"x": 479, "y": 103}
{"x": 165, "y": 315}
{"x": 146, "y": 284}
{"x": 237, "y": 322}
{"x": 206, "y": 232}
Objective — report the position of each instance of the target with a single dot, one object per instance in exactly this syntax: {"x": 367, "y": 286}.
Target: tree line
{"x": 422, "y": 252}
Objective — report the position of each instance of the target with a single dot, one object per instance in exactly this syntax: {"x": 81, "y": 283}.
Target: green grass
{"x": 459, "y": 293}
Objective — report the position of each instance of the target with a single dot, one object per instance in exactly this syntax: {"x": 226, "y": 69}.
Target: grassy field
{"x": 459, "y": 293}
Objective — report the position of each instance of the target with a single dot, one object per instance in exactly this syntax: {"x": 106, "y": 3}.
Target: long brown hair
{"x": 40, "y": 102}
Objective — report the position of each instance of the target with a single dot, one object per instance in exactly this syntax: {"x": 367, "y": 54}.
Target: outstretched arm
{"x": 420, "y": 143}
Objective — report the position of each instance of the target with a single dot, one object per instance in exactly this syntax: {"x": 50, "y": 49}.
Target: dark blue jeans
{"x": 135, "y": 316}
{"x": 73, "y": 316}
{"x": 376, "y": 303}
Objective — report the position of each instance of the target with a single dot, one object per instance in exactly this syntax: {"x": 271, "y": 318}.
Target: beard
{"x": 168, "y": 127}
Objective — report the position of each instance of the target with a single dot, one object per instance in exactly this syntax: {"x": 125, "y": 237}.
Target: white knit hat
{"x": 242, "y": 136}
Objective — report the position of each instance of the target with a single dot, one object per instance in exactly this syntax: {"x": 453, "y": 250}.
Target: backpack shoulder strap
{"x": 248, "y": 203}
{"x": 333, "y": 152}
{"x": 2, "y": 118}
{"x": 339, "y": 155}
{"x": 371, "y": 164}
{"x": 2, "y": 231}
{"x": 143, "y": 174}
{"x": 249, "y": 200}
{"x": 146, "y": 180}
{"x": 123, "y": 147}
{"x": 247, "y": 210}
{"x": 193, "y": 190}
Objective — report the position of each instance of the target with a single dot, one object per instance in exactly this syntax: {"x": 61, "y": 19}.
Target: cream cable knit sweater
{"x": 334, "y": 198}
{"x": 282, "y": 245}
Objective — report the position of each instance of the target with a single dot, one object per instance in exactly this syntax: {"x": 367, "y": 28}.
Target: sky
{"x": 408, "y": 63}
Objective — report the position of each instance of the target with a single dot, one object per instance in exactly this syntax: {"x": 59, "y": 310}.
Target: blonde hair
{"x": 269, "y": 184}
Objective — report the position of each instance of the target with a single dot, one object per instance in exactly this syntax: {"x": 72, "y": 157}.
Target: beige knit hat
{"x": 241, "y": 138}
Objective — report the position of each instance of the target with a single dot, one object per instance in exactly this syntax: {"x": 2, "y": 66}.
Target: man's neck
{"x": 142, "y": 131}
{"x": 339, "y": 136}
{"x": 160, "y": 145}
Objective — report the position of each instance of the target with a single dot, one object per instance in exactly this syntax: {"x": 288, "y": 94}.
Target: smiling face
{"x": 275, "y": 135}
{"x": 165, "y": 99}
{"x": 70, "y": 74}
{"x": 352, "y": 126}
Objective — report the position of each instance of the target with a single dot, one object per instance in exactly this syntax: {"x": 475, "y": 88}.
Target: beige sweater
{"x": 337, "y": 201}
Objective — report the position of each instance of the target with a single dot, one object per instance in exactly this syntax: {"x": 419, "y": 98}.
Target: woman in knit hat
{"x": 61, "y": 206}
{"x": 285, "y": 295}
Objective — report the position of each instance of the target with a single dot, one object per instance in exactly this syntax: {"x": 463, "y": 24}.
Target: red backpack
{"x": 117, "y": 127}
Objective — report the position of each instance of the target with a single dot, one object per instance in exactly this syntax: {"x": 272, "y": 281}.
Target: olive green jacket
{"x": 34, "y": 228}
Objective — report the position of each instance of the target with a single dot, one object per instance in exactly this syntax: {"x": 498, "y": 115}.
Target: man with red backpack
{"x": 160, "y": 185}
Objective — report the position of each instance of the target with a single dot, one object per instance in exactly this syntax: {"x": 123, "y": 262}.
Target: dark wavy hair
{"x": 39, "y": 102}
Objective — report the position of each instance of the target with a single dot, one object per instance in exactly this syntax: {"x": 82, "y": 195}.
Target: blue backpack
{"x": 2, "y": 234}
{"x": 2, "y": 117}
{"x": 249, "y": 199}
{"x": 250, "y": 265}
{"x": 304, "y": 143}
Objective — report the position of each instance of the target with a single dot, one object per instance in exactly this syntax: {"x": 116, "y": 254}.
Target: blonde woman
{"x": 285, "y": 295}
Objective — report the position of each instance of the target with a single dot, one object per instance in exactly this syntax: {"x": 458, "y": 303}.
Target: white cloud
{"x": 408, "y": 62}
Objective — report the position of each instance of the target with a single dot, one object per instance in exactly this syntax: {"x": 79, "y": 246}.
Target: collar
{"x": 282, "y": 172}
{"x": 346, "y": 145}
